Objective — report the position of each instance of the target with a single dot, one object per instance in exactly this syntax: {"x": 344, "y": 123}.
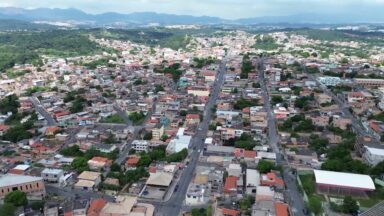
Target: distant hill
{"x": 71, "y": 14}
{"x": 78, "y": 16}
{"x": 9, "y": 25}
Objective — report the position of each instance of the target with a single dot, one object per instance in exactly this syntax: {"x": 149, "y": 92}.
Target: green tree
{"x": 9, "y": 104}
{"x": 80, "y": 164}
{"x": 147, "y": 136}
{"x": 350, "y": 205}
{"x": 314, "y": 205}
{"x": 164, "y": 137}
{"x": 265, "y": 166}
{"x": 7, "y": 209}
{"x": 115, "y": 167}
{"x": 183, "y": 112}
{"x": 277, "y": 99}
{"x": 145, "y": 160}
{"x": 16, "y": 198}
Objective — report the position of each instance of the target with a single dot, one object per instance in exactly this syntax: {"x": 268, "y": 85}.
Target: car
{"x": 176, "y": 187}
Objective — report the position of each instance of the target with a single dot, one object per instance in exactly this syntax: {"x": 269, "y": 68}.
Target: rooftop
{"x": 341, "y": 179}
{"x": 9, "y": 179}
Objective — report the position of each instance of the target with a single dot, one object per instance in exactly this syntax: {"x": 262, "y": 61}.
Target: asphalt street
{"x": 174, "y": 205}
{"x": 40, "y": 109}
{"x": 295, "y": 198}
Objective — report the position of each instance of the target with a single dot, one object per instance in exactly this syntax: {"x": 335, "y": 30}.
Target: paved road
{"x": 295, "y": 201}
{"x": 356, "y": 123}
{"x": 73, "y": 193}
{"x": 174, "y": 205}
{"x": 42, "y": 111}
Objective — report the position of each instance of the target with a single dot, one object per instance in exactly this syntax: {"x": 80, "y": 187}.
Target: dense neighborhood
{"x": 270, "y": 124}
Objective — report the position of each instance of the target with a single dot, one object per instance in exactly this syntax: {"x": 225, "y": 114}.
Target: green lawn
{"x": 116, "y": 119}
{"x": 308, "y": 182}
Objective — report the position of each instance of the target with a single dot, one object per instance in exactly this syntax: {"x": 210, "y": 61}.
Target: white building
{"x": 253, "y": 180}
{"x": 140, "y": 145}
{"x": 196, "y": 194}
{"x": 52, "y": 175}
{"x": 373, "y": 156}
{"x": 179, "y": 143}
{"x": 329, "y": 81}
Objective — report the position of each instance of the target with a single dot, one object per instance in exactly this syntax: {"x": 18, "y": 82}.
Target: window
{"x": 14, "y": 189}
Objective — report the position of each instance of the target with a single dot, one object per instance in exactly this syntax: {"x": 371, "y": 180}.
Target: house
{"x": 230, "y": 186}
{"x": 157, "y": 132}
{"x": 191, "y": 119}
{"x": 132, "y": 162}
{"x": 52, "y": 175}
{"x": 341, "y": 122}
{"x": 122, "y": 207}
{"x": 88, "y": 180}
{"x": 51, "y": 131}
{"x": 3, "y": 129}
{"x": 323, "y": 98}
{"x": 19, "y": 169}
{"x": 354, "y": 97}
{"x": 271, "y": 179}
{"x": 252, "y": 180}
{"x": 245, "y": 154}
{"x": 201, "y": 91}
{"x": 97, "y": 163}
{"x": 95, "y": 207}
{"x": 264, "y": 193}
{"x": 160, "y": 179}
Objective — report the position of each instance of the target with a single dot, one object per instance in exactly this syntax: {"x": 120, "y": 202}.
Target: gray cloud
{"x": 222, "y": 8}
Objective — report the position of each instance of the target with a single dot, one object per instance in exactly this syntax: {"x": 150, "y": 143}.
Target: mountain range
{"x": 78, "y": 16}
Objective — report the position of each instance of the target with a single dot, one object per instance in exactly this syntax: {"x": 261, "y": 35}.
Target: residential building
{"x": 88, "y": 180}
{"x": 52, "y": 175}
{"x": 373, "y": 156}
{"x": 140, "y": 145}
{"x": 97, "y": 163}
{"x": 158, "y": 132}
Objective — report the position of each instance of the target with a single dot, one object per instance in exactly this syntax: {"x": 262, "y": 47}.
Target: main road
{"x": 295, "y": 198}
{"x": 356, "y": 123}
{"x": 174, "y": 205}
{"x": 36, "y": 103}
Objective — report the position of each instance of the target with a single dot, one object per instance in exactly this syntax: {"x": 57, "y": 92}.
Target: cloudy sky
{"x": 230, "y": 9}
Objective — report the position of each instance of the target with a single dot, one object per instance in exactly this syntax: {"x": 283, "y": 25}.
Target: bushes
{"x": 136, "y": 117}
{"x": 265, "y": 166}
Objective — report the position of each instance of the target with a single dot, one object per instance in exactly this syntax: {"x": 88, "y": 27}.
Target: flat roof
{"x": 88, "y": 175}
{"x": 52, "y": 171}
{"x": 375, "y": 151}
{"x": 9, "y": 179}
{"x": 160, "y": 179}
{"x": 85, "y": 183}
{"x": 341, "y": 179}
{"x": 22, "y": 167}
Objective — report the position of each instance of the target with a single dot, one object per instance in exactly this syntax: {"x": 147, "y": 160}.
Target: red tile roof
{"x": 230, "y": 212}
{"x": 132, "y": 161}
{"x": 281, "y": 209}
{"x": 230, "y": 184}
{"x": 192, "y": 116}
{"x": 4, "y": 127}
{"x": 95, "y": 207}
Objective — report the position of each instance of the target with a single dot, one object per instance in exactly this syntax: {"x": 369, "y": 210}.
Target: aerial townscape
{"x": 168, "y": 115}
